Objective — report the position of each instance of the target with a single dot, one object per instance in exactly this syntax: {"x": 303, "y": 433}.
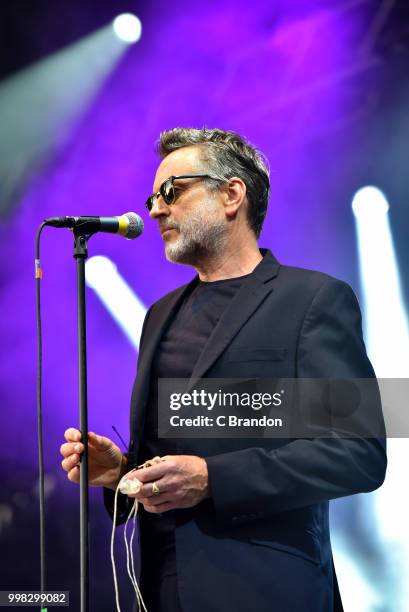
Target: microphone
{"x": 129, "y": 225}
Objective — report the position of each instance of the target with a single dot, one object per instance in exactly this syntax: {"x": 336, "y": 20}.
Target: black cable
{"x": 38, "y": 275}
{"x": 120, "y": 437}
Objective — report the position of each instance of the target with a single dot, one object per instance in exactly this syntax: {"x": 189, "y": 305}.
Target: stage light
{"x": 387, "y": 340}
{"x": 102, "y": 276}
{"x": 369, "y": 201}
{"x": 128, "y": 27}
{"x": 386, "y": 327}
{"x": 42, "y": 106}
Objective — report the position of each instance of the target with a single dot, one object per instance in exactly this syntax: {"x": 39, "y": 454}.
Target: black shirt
{"x": 177, "y": 353}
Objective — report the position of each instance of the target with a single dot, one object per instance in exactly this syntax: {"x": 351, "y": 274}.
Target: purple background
{"x": 316, "y": 86}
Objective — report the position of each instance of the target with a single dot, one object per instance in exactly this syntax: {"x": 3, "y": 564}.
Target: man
{"x": 234, "y": 525}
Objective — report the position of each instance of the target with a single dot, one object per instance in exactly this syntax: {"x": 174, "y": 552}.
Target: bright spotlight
{"x": 388, "y": 343}
{"x": 128, "y": 27}
{"x": 387, "y": 338}
{"x": 42, "y": 105}
{"x": 369, "y": 201}
{"x": 125, "y": 307}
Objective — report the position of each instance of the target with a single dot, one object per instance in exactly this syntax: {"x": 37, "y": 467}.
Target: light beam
{"x": 126, "y": 308}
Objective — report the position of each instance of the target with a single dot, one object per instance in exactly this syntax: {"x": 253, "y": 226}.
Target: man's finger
{"x": 74, "y": 475}
{"x": 70, "y": 462}
{"x": 160, "y": 507}
{"x": 99, "y": 442}
{"x": 150, "y": 474}
{"x": 69, "y": 448}
{"x": 146, "y": 491}
{"x": 72, "y": 435}
{"x": 157, "y": 501}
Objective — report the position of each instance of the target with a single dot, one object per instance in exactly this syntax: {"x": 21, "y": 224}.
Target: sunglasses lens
{"x": 168, "y": 192}
{"x": 149, "y": 202}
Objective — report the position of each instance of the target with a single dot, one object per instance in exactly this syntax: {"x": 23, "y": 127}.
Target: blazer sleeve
{"x": 253, "y": 483}
{"x": 124, "y": 502}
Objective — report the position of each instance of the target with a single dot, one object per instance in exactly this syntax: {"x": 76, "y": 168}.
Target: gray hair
{"x": 227, "y": 154}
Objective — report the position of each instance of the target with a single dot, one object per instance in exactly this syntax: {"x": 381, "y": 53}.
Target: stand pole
{"x": 81, "y": 254}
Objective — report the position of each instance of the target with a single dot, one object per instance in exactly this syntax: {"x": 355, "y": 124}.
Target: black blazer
{"x": 262, "y": 541}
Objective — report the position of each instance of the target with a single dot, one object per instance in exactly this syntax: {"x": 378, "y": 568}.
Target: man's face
{"x": 194, "y": 227}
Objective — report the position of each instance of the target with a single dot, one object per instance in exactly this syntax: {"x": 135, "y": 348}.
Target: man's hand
{"x": 180, "y": 481}
{"x": 105, "y": 460}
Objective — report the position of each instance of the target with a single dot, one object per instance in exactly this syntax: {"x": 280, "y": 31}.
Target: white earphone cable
{"x": 129, "y": 553}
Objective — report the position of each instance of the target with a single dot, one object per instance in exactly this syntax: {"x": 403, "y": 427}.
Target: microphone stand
{"x": 81, "y": 254}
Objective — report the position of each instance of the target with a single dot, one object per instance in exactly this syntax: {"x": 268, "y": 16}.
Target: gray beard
{"x": 199, "y": 238}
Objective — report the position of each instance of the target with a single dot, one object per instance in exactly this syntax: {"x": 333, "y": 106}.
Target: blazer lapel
{"x": 249, "y": 297}
{"x": 156, "y": 325}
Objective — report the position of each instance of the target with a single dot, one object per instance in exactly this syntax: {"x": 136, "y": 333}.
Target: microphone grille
{"x": 135, "y": 225}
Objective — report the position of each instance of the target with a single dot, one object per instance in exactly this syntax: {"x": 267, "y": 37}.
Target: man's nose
{"x": 159, "y": 209}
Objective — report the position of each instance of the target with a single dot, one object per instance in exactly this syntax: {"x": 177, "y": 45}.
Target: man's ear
{"x": 234, "y": 196}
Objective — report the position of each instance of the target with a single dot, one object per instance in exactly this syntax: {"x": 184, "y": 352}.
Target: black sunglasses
{"x": 167, "y": 189}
